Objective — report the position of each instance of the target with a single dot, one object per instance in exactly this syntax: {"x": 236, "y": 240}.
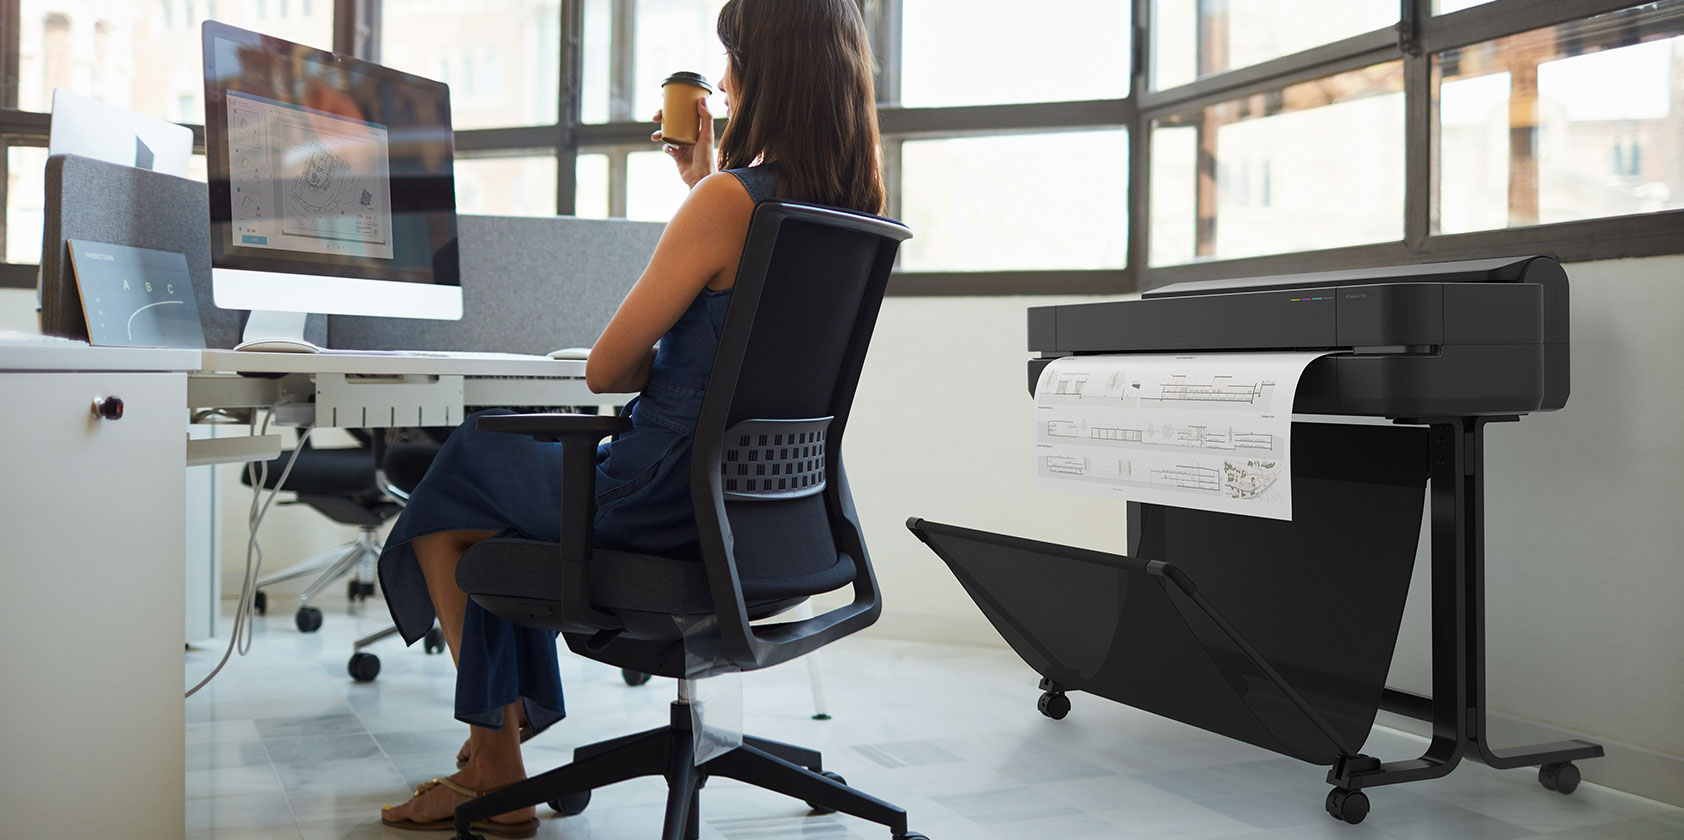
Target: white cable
{"x": 258, "y": 473}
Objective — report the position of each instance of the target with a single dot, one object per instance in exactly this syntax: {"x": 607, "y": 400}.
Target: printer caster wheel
{"x": 363, "y": 667}
{"x": 1561, "y": 778}
{"x": 433, "y": 642}
{"x": 1054, "y": 705}
{"x": 260, "y": 602}
{"x": 308, "y": 619}
{"x": 1347, "y": 805}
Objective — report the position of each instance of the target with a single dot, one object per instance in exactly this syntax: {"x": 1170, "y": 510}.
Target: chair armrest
{"x": 578, "y": 435}
{"x": 556, "y": 427}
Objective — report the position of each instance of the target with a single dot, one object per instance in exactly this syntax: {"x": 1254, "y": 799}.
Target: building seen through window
{"x": 1568, "y": 122}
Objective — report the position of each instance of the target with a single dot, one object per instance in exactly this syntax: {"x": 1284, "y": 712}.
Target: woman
{"x": 798, "y": 87}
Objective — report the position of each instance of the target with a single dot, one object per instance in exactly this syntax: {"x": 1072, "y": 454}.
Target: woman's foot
{"x": 435, "y": 802}
{"x": 467, "y": 750}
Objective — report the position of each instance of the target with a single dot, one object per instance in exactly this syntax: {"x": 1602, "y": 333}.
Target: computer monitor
{"x": 91, "y": 128}
{"x": 332, "y": 187}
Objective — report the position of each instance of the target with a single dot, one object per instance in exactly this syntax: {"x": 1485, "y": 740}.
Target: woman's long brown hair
{"x": 804, "y": 99}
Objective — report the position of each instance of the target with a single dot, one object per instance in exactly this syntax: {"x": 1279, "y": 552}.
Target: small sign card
{"x": 136, "y": 297}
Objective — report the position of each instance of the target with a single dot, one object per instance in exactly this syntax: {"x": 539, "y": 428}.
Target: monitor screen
{"x": 324, "y": 164}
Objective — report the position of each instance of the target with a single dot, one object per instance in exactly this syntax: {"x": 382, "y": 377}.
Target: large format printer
{"x": 1281, "y": 633}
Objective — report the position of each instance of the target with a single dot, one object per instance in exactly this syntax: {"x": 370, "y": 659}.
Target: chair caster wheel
{"x": 356, "y": 590}
{"x": 1054, "y": 705}
{"x": 1347, "y": 805}
{"x": 433, "y": 642}
{"x": 571, "y": 805}
{"x": 835, "y": 777}
{"x": 912, "y": 836}
{"x": 363, "y": 667}
{"x": 1561, "y": 778}
{"x": 260, "y": 603}
{"x": 308, "y": 619}
{"x": 633, "y": 678}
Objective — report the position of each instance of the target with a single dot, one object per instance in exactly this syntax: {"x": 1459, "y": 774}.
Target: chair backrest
{"x": 772, "y": 504}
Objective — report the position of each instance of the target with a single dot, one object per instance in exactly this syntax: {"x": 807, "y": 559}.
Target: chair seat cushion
{"x": 324, "y": 472}
{"x": 620, "y": 580}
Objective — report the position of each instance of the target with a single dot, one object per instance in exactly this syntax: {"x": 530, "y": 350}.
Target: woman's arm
{"x": 699, "y": 247}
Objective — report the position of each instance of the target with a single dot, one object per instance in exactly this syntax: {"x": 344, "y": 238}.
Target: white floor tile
{"x": 284, "y": 745}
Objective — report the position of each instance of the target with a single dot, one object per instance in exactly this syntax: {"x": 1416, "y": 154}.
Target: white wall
{"x": 1583, "y": 507}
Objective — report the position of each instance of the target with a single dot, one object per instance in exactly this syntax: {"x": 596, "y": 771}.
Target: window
{"x": 145, "y": 59}
{"x": 993, "y": 53}
{"x": 1052, "y": 147}
{"x": 503, "y": 67}
{"x": 631, "y": 47}
{"x": 1251, "y": 176}
{"x": 976, "y": 207}
{"x": 506, "y": 186}
{"x": 1551, "y": 125}
{"x": 25, "y": 203}
{"x": 1196, "y": 38}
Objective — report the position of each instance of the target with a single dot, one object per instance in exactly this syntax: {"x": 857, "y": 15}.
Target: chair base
{"x": 669, "y": 751}
{"x": 357, "y": 557}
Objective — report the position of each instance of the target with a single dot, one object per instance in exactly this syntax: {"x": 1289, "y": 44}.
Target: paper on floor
{"x": 1209, "y": 431}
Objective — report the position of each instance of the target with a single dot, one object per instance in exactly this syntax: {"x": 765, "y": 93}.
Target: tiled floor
{"x": 284, "y": 745}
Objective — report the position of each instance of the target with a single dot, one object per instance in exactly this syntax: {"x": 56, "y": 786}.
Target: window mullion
{"x": 569, "y": 106}
{"x": 1420, "y": 191}
{"x": 10, "y": 38}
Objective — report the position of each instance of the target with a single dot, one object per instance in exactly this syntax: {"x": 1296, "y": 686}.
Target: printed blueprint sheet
{"x": 1211, "y": 431}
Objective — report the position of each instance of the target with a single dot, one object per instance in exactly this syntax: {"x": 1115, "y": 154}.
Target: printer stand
{"x": 1457, "y": 708}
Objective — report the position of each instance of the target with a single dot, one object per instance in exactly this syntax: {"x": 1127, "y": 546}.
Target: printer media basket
{"x": 1276, "y": 633}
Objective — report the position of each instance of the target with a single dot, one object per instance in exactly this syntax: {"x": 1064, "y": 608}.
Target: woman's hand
{"x": 694, "y": 162}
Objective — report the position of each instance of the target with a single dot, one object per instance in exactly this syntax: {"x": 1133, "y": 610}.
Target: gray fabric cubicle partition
{"x": 529, "y": 285}
{"x": 113, "y": 204}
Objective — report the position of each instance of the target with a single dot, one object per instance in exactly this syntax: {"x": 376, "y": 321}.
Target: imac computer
{"x": 331, "y": 187}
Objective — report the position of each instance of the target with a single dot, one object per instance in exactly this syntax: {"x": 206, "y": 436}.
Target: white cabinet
{"x": 91, "y": 548}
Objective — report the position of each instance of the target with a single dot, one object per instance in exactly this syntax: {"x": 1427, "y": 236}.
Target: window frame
{"x": 1415, "y": 39}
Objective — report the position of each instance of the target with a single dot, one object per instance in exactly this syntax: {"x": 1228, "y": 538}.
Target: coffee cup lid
{"x": 688, "y": 78}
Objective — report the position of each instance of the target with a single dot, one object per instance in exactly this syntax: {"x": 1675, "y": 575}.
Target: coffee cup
{"x": 680, "y": 124}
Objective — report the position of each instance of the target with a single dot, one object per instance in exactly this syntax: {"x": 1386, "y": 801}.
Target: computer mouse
{"x": 571, "y": 353}
{"x": 278, "y": 345}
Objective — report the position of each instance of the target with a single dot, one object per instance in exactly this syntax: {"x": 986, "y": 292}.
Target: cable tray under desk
{"x": 382, "y": 402}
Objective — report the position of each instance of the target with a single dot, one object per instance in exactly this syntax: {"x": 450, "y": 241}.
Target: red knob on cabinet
{"x": 108, "y": 408}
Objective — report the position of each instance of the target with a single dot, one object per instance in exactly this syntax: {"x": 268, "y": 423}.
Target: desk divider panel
{"x": 121, "y": 205}
{"x": 529, "y": 285}
{"x": 1319, "y": 599}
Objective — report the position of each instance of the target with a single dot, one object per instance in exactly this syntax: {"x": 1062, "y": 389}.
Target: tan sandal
{"x": 490, "y": 827}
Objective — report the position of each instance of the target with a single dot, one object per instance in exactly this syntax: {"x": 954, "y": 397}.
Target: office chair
{"x": 774, "y": 514}
{"x": 344, "y": 486}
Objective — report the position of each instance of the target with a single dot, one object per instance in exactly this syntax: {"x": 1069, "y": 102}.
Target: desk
{"x": 93, "y": 513}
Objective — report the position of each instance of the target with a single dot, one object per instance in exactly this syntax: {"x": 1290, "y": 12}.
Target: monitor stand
{"x": 281, "y": 332}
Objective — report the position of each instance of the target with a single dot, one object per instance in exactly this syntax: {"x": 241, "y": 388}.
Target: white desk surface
{"x": 236, "y": 361}
{"x": 69, "y": 358}
{"x": 65, "y": 357}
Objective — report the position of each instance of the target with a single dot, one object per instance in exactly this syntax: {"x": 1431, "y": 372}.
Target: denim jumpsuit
{"x": 511, "y": 484}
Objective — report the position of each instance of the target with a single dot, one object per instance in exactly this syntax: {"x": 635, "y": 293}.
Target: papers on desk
{"x": 1210, "y": 431}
